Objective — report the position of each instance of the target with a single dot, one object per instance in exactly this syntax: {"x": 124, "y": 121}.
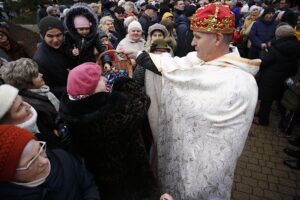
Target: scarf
{"x": 30, "y": 124}
{"x": 45, "y": 91}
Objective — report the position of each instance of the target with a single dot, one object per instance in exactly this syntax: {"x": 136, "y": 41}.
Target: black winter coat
{"x": 47, "y": 116}
{"x": 87, "y": 44}
{"x": 279, "y": 64}
{"x": 120, "y": 28}
{"x": 184, "y": 36}
{"x": 105, "y": 129}
{"x": 146, "y": 22}
{"x": 68, "y": 180}
{"x": 54, "y": 65}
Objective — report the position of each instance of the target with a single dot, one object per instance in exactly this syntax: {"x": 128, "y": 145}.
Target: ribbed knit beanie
{"x": 12, "y": 143}
{"x": 8, "y": 94}
{"x": 48, "y": 23}
{"x": 284, "y": 31}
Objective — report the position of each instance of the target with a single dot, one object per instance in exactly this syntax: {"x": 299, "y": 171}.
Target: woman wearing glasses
{"x": 28, "y": 171}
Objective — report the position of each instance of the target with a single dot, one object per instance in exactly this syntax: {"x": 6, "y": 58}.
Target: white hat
{"x": 134, "y": 24}
{"x": 8, "y": 94}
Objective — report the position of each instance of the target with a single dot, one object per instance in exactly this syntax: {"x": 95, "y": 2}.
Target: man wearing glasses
{"x": 119, "y": 16}
{"x": 28, "y": 171}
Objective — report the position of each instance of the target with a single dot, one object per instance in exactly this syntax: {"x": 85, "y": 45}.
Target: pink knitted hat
{"x": 83, "y": 79}
{"x": 81, "y": 22}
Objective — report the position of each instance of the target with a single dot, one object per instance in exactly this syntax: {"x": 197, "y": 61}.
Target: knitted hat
{"x": 81, "y": 22}
{"x": 12, "y": 143}
{"x": 190, "y": 10}
{"x": 8, "y": 94}
{"x": 134, "y": 24}
{"x": 83, "y": 79}
{"x": 150, "y": 6}
{"x": 48, "y": 23}
{"x": 284, "y": 31}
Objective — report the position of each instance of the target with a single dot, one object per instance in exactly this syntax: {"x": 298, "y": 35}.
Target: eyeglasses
{"x": 121, "y": 13}
{"x": 41, "y": 150}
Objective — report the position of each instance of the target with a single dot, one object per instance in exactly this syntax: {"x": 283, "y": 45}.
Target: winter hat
{"x": 190, "y": 10}
{"x": 166, "y": 15}
{"x": 119, "y": 9}
{"x": 48, "y": 23}
{"x": 102, "y": 34}
{"x": 134, "y": 24}
{"x": 128, "y": 20}
{"x": 83, "y": 79}
{"x": 8, "y": 94}
{"x": 268, "y": 10}
{"x": 284, "y": 31}
{"x": 12, "y": 143}
{"x": 159, "y": 44}
{"x": 159, "y": 27}
{"x": 81, "y": 22}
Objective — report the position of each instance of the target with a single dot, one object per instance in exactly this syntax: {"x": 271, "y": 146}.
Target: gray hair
{"x": 227, "y": 38}
{"x": 20, "y": 73}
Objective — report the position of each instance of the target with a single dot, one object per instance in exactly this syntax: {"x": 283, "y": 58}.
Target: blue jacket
{"x": 262, "y": 32}
{"x": 68, "y": 180}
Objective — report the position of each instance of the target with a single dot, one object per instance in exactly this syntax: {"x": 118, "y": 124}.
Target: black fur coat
{"x": 106, "y": 132}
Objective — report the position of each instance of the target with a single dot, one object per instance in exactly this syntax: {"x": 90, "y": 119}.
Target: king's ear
{"x": 219, "y": 39}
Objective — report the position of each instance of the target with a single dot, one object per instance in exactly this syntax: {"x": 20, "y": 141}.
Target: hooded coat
{"x": 106, "y": 132}
{"x": 279, "y": 64}
{"x": 85, "y": 45}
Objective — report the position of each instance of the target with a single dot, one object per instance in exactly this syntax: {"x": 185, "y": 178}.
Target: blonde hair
{"x": 102, "y": 22}
{"x": 98, "y": 7}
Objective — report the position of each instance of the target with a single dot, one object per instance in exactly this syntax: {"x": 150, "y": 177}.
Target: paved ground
{"x": 260, "y": 173}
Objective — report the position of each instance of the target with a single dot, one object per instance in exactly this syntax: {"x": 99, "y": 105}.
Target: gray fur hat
{"x": 159, "y": 27}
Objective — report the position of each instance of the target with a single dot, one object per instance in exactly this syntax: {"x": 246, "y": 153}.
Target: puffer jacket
{"x": 85, "y": 45}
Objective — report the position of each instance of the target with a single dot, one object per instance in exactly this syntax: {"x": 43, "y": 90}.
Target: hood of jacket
{"x": 84, "y": 10}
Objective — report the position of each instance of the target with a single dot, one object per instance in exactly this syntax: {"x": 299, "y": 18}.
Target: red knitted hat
{"x": 12, "y": 143}
{"x": 83, "y": 79}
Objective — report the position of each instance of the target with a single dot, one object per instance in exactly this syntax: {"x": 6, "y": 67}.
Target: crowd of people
{"x": 175, "y": 127}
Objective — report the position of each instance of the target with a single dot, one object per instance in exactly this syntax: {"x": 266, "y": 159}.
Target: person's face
{"x": 39, "y": 163}
{"x": 204, "y": 44}
{"x": 135, "y": 34}
{"x": 151, "y": 13}
{"x": 102, "y": 85}
{"x": 3, "y": 37}
{"x": 282, "y": 4}
{"x": 84, "y": 31}
{"x": 38, "y": 81}
{"x": 109, "y": 25}
{"x": 53, "y": 13}
{"x": 19, "y": 112}
{"x": 120, "y": 15}
{"x": 157, "y": 35}
{"x": 54, "y": 38}
{"x": 269, "y": 17}
{"x": 180, "y": 5}
{"x": 170, "y": 18}
{"x": 104, "y": 40}
{"x": 254, "y": 12}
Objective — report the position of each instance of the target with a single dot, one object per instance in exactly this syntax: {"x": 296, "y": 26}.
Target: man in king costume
{"x": 207, "y": 105}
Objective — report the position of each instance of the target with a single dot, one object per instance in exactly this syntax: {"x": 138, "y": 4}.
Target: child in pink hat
{"x": 82, "y": 36}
